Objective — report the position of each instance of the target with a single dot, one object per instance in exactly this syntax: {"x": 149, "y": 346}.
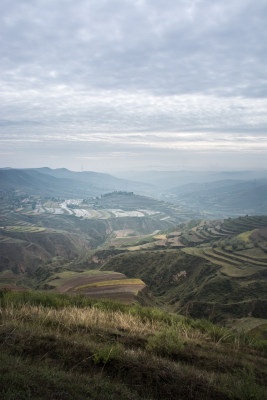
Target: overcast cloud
{"x": 137, "y": 84}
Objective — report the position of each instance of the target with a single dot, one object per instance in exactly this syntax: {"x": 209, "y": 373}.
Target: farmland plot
{"x": 98, "y": 284}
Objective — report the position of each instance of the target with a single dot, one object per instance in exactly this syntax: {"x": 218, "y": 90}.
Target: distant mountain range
{"x": 166, "y": 180}
{"x": 225, "y": 197}
{"x": 64, "y": 183}
{"x": 215, "y": 194}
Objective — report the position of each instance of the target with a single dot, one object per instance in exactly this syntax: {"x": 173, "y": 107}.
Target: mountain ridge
{"x": 63, "y": 182}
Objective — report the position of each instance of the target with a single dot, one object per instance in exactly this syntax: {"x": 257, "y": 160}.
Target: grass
{"x": 239, "y": 272}
{"x": 248, "y": 324}
{"x": 255, "y": 252}
{"x": 166, "y": 343}
{"x": 79, "y": 348}
{"x": 245, "y": 236}
{"x": 21, "y": 378}
{"x": 160, "y": 237}
{"x": 113, "y": 282}
{"x": 141, "y": 247}
{"x": 259, "y": 332}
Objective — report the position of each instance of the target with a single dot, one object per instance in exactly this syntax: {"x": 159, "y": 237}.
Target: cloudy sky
{"x": 133, "y": 84}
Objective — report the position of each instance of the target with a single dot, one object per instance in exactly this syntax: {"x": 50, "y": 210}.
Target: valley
{"x": 145, "y": 279}
{"x": 215, "y": 269}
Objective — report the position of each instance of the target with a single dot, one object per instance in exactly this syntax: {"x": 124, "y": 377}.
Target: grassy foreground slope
{"x": 71, "y": 347}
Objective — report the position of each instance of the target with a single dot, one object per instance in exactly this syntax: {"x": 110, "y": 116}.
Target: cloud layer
{"x": 140, "y": 83}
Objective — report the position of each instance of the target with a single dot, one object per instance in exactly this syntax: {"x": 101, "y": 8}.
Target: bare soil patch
{"x": 175, "y": 241}
{"x": 125, "y": 232}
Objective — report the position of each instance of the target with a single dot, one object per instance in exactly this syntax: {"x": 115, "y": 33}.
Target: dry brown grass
{"x": 173, "y": 357}
{"x": 86, "y": 318}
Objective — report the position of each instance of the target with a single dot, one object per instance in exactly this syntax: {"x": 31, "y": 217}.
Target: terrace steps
{"x": 216, "y": 257}
{"x": 235, "y": 257}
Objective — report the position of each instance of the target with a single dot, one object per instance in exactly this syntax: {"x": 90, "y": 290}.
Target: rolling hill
{"x": 235, "y": 194}
{"x": 79, "y": 256}
{"x": 200, "y": 267}
{"x": 220, "y": 271}
{"x": 223, "y": 198}
{"x": 64, "y": 183}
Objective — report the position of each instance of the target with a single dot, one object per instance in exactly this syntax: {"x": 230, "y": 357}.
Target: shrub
{"x": 165, "y": 344}
{"x": 242, "y": 386}
{"x": 106, "y": 353}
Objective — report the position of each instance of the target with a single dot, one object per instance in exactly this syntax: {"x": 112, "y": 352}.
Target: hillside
{"x": 223, "y": 198}
{"x": 62, "y": 347}
{"x": 220, "y": 271}
{"x": 101, "y": 182}
{"x": 215, "y": 269}
{"x": 141, "y": 252}
{"x": 199, "y": 267}
{"x": 24, "y": 248}
{"x": 41, "y": 237}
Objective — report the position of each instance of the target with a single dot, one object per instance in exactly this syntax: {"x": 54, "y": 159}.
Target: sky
{"x": 110, "y": 85}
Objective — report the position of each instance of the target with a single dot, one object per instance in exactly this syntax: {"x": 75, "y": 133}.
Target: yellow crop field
{"x": 20, "y": 228}
{"x": 161, "y": 237}
{"x": 141, "y": 246}
{"x": 112, "y": 283}
{"x": 245, "y": 235}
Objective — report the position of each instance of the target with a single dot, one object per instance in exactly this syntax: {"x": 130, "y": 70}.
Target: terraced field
{"x": 8, "y": 279}
{"x": 22, "y": 229}
{"x": 243, "y": 224}
{"x": 98, "y": 284}
{"x": 236, "y": 256}
{"x": 232, "y": 264}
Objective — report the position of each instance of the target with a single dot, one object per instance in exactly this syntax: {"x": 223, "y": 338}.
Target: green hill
{"x": 223, "y": 274}
{"x": 216, "y": 269}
